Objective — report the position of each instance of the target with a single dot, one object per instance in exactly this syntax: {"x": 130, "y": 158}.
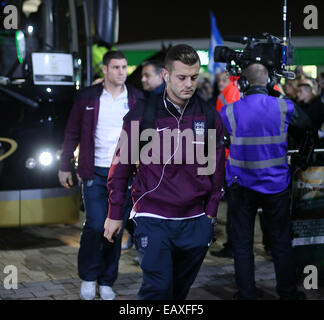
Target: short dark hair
{"x": 256, "y": 74}
{"x": 114, "y": 54}
{"x": 183, "y": 53}
{"x": 158, "y": 65}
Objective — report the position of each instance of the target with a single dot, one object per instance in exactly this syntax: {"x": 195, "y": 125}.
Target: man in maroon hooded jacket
{"x": 175, "y": 195}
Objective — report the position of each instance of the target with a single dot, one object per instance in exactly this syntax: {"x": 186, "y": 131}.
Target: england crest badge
{"x": 144, "y": 242}
{"x": 199, "y": 127}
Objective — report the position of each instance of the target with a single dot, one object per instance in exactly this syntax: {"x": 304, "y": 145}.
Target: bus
{"x": 43, "y": 64}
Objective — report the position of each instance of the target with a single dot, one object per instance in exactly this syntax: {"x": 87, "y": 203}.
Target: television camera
{"x": 268, "y": 50}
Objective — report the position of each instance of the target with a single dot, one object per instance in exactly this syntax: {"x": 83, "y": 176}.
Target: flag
{"x": 215, "y": 40}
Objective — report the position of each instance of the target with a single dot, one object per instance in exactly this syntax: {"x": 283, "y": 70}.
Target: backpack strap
{"x": 209, "y": 112}
{"x": 148, "y": 117}
{"x": 131, "y": 96}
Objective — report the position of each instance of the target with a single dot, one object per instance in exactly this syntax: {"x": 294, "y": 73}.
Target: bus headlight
{"x": 46, "y": 159}
{"x": 31, "y": 163}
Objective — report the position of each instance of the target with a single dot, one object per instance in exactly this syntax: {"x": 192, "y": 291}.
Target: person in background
{"x": 300, "y": 73}
{"x": 320, "y": 80}
{"x": 205, "y": 89}
{"x": 290, "y": 89}
{"x": 310, "y": 102}
{"x": 229, "y": 91}
{"x": 94, "y": 124}
{"x": 151, "y": 76}
{"x": 306, "y": 91}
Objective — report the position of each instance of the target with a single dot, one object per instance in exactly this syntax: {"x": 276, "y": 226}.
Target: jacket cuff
{"x": 65, "y": 165}
{"x": 211, "y": 208}
{"x": 115, "y": 212}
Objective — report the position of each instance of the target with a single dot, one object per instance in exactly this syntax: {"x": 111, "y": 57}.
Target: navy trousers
{"x": 243, "y": 205}
{"x": 171, "y": 253}
{"x": 98, "y": 259}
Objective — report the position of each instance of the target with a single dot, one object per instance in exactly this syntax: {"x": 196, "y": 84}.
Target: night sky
{"x": 145, "y": 20}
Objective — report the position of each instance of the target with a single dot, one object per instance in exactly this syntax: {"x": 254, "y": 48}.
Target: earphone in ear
{"x": 133, "y": 213}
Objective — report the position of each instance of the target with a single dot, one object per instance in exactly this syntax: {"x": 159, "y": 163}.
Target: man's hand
{"x": 112, "y": 229}
{"x": 213, "y": 220}
{"x": 65, "y": 179}
{"x": 99, "y": 80}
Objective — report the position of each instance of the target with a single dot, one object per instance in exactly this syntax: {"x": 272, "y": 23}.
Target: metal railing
{"x": 296, "y": 151}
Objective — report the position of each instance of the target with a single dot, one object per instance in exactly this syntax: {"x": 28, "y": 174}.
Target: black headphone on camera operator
{"x": 244, "y": 85}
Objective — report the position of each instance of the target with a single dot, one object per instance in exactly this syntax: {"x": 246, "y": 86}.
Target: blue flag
{"x": 215, "y": 40}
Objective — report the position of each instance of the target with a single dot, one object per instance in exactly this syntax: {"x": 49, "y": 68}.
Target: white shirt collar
{"x": 121, "y": 96}
{"x": 175, "y": 105}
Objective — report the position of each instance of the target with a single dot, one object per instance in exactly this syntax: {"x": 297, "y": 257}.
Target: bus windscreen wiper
{"x": 29, "y": 102}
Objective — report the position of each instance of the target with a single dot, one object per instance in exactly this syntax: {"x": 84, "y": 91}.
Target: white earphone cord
{"x": 176, "y": 150}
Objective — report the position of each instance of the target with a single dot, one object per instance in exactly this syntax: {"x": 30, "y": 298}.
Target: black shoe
{"x": 223, "y": 253}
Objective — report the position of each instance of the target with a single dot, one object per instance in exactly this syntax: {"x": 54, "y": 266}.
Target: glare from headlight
{"x": 46, "y": 158}
{"x": 58, "y": 155}
{"x": 31, "y": 163}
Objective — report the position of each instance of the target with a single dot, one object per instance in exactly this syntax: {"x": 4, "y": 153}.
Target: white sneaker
{"x": 88, "y": 290}
{"x": 106, "y": 293}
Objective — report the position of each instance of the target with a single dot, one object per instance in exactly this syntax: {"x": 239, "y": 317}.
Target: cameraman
{"x": 257, "y": 172}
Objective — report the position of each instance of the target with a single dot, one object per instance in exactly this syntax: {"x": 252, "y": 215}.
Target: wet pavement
{"x": 46, "y": 261}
